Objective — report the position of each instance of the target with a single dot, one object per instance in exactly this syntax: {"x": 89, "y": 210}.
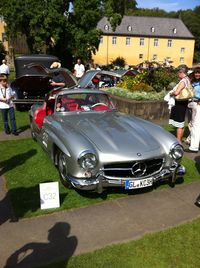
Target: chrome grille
{"x": 134, "y": 169}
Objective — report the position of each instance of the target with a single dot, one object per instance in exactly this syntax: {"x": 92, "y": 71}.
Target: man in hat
{"x": 57, "y": 78}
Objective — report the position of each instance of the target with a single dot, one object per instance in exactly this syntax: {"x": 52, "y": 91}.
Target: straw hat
{"x": 55, "y": 65}
{"x": 197, "y": 67}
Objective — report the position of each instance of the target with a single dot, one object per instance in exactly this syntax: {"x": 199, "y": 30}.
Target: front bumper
{"x": 101, "y": 182}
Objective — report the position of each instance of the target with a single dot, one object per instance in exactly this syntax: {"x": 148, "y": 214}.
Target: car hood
{"x": 112, "y": 133}
{"x": 36, "y": 79}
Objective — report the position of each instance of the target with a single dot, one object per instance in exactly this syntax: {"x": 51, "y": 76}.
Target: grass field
{"x": 176, "y": 247}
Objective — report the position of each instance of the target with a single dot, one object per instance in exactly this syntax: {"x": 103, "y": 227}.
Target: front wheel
{"x": 63, "y": 169}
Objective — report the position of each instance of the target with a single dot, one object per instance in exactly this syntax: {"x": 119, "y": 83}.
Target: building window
{"x": 182, "y": 60}
{"x": 155, "y": 43}
{"x": 182, "y": 50}
{"x": 114, "y": 40}
{"x": 154, "y": 57}
{"x": 106, "y": 27}
{"x": 152, "y": 29}
{"x": 174, "y": 31}
{"x": 101, "y": 40}
{"x": 140, "y": 56}
{"x": 169, "y": 43}
{"x": 141, "y": 41}
{"x": 128, "y": 41}
{"x": 129, "y": 28}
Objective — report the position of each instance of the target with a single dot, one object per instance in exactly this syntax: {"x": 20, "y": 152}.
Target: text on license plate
{"x": 138, "y": 183}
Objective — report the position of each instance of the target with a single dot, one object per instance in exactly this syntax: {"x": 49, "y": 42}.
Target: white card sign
{"x": 49, "y": 195}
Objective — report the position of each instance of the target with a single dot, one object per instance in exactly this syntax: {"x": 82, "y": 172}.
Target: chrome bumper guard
{"x": 101, "y": 182}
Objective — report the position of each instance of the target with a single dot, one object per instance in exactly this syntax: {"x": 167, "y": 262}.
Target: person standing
{"x": 4, "y": 69}
{"x": 79, "y": 69}
{"x": 178, "y": 111}
{"x": 194, "y": 125}
{"x": 58, "y": 79}
{"x": 6, "y": 105}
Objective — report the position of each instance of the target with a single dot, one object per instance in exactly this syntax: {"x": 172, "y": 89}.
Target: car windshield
{"x": 83, "y": 102}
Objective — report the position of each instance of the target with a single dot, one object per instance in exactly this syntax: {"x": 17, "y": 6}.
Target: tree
{"x": 191, "y": 18}
{"x": 2, "y": 52}
{"x": 50, "y": 27}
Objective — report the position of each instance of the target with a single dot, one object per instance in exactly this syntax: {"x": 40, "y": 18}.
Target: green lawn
{"x": 22, "y": 120}
{"x": 176, "y": 247}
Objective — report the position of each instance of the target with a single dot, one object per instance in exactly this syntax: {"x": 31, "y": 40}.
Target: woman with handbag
{"x": 178, "y": 111}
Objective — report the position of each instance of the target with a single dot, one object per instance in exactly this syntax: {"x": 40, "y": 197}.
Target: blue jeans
{"x": 11, "y": 113}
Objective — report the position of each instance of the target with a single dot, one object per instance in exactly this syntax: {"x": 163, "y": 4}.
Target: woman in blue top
{"x": 194, "y": 124}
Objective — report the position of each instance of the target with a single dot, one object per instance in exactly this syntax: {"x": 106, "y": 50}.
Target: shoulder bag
{"x": 186, "y": 93}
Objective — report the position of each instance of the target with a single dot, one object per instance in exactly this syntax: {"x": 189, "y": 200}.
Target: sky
{"x": 168, "y": 5}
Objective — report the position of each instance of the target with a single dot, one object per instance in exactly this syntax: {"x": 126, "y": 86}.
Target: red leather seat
{"x": 39, "y": 115}
{"x": 70, "y": 104}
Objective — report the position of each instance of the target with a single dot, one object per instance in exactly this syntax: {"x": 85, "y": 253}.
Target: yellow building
{"x": 138, "y": 39}
{"x": 3, "y": 34}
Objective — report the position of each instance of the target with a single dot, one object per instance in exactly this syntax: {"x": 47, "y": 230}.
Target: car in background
{"x": 98, "y": 79}
{"x": 33, "y": 76}
{"x": 95, "y": 147}
{"x": 103, "y": 79}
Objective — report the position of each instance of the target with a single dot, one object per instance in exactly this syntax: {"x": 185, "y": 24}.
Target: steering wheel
{"x": 100, "y": 106}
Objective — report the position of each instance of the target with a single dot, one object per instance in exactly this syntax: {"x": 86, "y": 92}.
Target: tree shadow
{"x": 60, "y": 247}
{"x": 23, "y": 128}
{"x": 15, "y": 161}
{"x": 20, "y": 201}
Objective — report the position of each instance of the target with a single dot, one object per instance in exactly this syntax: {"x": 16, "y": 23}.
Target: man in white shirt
{"x": 79, "y": 69}
{"x": 4, "y": 69}
{"x": 6, "y": 106}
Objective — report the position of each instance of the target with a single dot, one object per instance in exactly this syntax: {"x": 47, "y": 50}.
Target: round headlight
{"x": 87, "y": 160}
{"x": 177, "y": 152}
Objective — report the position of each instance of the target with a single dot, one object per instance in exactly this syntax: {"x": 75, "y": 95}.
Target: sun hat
{"x": 197, "y": 67}
{"x": 182, "y": 68}
{"x": 55, "y": 65}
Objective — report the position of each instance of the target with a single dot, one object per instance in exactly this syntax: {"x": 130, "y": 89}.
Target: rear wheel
{"x": 63, "y": 169}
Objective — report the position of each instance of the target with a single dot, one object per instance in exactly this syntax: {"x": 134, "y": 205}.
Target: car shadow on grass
{"x": 117, "y": 192}
{"x": 23, "y": 128}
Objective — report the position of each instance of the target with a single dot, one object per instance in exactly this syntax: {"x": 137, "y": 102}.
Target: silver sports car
{"x": 95, "y": 147}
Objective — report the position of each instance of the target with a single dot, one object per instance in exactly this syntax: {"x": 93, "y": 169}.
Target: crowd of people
{"x": 188, "y": 79}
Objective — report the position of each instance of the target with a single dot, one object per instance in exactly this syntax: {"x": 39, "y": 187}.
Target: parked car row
{"x": 33, "y": 76}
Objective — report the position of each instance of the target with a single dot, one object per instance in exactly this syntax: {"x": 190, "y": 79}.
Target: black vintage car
{"x": 33, "y": 75}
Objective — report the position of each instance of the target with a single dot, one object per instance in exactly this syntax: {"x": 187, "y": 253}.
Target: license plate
{"x": 138, "y": 183}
